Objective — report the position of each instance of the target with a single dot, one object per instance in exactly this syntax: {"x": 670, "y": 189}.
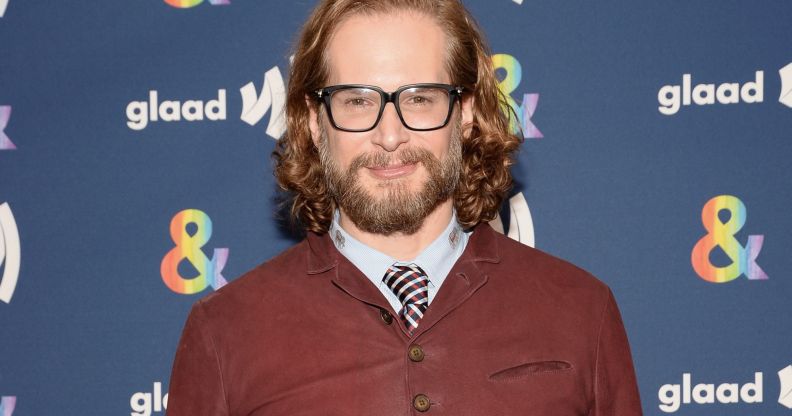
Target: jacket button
{"x": 421, "y": 403}
{"x": 386, "y": 317}
{"x": 416, "y": 353}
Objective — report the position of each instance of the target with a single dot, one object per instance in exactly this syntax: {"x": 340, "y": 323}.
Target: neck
{"x": 401, "y": 246}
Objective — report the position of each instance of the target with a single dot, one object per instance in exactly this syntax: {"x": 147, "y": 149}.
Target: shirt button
{"x": 416, "y": 353}
{"x": 386, "y": 317}
{"x": 421, "y": 403}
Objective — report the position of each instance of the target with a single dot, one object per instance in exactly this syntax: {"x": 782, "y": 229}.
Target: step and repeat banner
{"x": 135, "y": 143}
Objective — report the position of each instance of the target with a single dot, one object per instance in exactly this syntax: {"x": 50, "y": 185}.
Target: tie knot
{"x": 408, "y": 282}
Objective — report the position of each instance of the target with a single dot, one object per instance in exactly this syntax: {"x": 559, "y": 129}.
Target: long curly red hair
{"x": 487, "y": 145}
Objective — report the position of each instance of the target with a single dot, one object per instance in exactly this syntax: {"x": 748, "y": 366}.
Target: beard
{"x": 399, "y": 210}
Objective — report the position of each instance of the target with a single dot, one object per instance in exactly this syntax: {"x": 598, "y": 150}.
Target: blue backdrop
{"x": 640, "y": 119}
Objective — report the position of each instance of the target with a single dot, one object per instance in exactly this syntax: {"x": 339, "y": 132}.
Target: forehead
{"x": 387, "y": 50}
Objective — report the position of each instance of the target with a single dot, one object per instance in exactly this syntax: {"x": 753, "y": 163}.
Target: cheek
{"x": 344, "y": 149}
{"x": 438, "y": 143}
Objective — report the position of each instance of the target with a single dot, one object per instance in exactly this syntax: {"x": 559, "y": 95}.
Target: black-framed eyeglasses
{"x": 358, "y": 108}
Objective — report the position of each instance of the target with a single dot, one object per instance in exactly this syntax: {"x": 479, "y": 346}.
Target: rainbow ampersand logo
{"x": 721, "y": 233}
{"x": 524, "y": 110}
{"x": 5, "y": 115}
{"x": 186, "y": 4}
{"x": 7, "y": 404}
{"x": 188, "y": 246}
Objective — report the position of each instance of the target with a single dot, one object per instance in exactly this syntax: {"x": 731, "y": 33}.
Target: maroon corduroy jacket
{"x": 512, "y": 331}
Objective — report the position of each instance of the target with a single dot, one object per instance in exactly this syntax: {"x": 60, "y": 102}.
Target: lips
{"x": 392, "y": 171}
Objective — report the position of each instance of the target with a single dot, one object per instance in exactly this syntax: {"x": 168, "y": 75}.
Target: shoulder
{"x": 527, "y": 266}
{"x": 273, "y": 277}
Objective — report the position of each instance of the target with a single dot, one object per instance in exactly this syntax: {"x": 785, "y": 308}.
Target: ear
{"x": 467, "y": 102}
{"x": 313, "y": 120}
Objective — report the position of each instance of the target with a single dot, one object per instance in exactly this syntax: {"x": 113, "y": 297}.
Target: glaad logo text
{"x": 672, "y": 97}
{"x": 272, "y": 99}
{"x": 140, "y": 113}
{"x": 9, "y": 253}
{"x": 673, "y": 396}
{"x": 3, "y": 6}
{"x": 144, "y": 403}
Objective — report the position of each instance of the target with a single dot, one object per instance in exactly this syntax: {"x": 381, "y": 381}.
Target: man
{"x": 401, "y": 299}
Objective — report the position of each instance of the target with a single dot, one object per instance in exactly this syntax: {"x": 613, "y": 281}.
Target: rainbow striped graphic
{"x": 723, "y": 234}
{"x": 189, "y": 247}
{"x": 7, "y": 405}
{"x": 186, "y": 4}
{"x": 5, "y": 141}
{"x": 508, "y": 85}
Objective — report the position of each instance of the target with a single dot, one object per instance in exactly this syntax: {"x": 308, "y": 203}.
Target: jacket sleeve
{"x": 615, "y": 387}
{"x": 196, "y": 386}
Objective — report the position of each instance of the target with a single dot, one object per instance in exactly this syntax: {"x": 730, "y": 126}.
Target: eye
{"x": 415, "y": 102}
{"x": 421, "y": 97}
{"x": 357, "y": 99}
{"x": 357, "y": 102}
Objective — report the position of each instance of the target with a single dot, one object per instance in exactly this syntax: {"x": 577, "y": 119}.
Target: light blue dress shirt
{"x": 436, "y": 259}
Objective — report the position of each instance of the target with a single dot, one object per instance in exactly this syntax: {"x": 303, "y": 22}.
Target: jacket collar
{"x": 464, "y": 279}
{"x": 323, "y": 255}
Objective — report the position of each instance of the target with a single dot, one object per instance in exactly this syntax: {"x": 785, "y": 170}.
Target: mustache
{"x": 405, "y": 156}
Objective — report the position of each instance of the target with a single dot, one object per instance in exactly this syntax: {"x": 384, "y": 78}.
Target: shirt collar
{"x": 436, "y": 259}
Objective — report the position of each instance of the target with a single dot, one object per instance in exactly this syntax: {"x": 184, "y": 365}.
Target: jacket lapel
{"x": 324, "y": 257}
{"x": 464, "y": 279}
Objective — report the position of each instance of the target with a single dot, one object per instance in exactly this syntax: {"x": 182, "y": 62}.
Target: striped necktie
{"x": 410, "y": 284}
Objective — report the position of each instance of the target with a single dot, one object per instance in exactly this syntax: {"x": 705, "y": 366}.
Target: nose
{"x": 390, "y": 133}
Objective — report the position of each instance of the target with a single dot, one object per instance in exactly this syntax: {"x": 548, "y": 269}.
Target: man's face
{"x": 390, "y": 178}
